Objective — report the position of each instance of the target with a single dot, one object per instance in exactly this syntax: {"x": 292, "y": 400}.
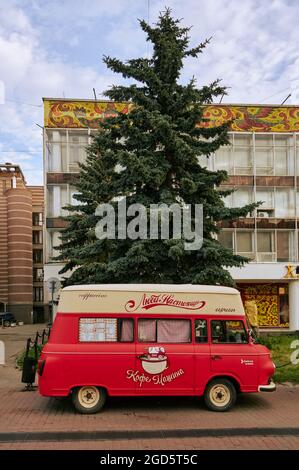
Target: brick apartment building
{"x": 21, "y": 246}
{"x": 262, "y": 162}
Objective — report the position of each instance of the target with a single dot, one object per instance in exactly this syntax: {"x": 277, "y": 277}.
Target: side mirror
{"x": 252, "y": 337}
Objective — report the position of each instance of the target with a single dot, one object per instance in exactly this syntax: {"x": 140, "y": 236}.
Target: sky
{"x": 55, "y": 49}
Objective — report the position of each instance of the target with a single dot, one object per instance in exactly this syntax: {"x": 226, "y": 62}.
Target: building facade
{"x": 262, "y": 162}
{"x": 21, "y": 246}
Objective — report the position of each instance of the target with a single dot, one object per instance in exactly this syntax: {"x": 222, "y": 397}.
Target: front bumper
{"x": 271, "y": 387}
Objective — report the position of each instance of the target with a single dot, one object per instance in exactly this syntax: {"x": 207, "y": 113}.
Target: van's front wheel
{"x": 88, "y": 399}
{"x": 220, "y": 395}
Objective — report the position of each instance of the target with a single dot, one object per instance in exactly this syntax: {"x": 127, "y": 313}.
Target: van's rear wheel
{"x": 88, "y": 399}
{"x": 220, "y": 395}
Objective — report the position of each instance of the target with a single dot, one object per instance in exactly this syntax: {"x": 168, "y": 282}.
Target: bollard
{"x": 29, "y": 370}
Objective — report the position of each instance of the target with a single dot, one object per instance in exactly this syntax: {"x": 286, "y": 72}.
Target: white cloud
{"x": 254, "y": 50}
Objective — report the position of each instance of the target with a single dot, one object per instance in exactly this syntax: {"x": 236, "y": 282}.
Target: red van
{"x": 139, "y": 340}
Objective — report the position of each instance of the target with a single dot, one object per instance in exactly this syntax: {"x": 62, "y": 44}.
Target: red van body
{"x": 152, "y": 340}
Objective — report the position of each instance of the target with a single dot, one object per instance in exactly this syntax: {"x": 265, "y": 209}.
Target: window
{"x": 37, "y": 237}
{"x": 284, "y": 246}
{"x": 164, "y": 331}
{"x": 265, "y": 246}
{"x": 224, "y": 159}
{"x": 264, "y": 154}
{"x": 56, "y": 151}
{"x": 225, "y": 237}
{"x": 38, "y": 275}
{"x": 106, "y": 330}
{"x": 37, "y": 256}
{"x": 243, "y": 156}
{"x": 201, "y": 331}
{"x": 284, "y": 155}
{"x": 284, "y": 202}
{"x": 55, "y": 242}
{"x": 245, "y": 244}
{"x": 37, "y": 219}
{"x": 78, "y": 142}
{"x": 228, "y": 331}
{"x": 242, "y": 197}
{"x": 38, "y": 294}
{"x": 266, "y": 196}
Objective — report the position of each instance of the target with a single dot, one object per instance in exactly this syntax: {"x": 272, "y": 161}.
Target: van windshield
{"x": 228, "y": 331}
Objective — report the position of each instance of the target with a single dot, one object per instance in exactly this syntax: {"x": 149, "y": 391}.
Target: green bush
{"x": 21, "y": 356}
{"x": 280, "y": 347}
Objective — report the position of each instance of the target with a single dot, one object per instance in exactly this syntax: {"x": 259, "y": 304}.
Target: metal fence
{"x": 31, "y": 360}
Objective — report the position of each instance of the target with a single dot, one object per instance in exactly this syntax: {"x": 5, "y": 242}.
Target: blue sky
{"x": 54, "y": 48}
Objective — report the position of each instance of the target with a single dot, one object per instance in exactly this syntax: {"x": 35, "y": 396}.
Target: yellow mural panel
{"x": 83, "y": 114}
{"x": 254, "y": 118}
{"x": 269, "y": 304}
{"x": 80, "y": 114}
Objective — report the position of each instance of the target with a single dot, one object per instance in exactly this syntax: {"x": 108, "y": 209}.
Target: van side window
{"x": 106, "y": 330}
{"x": 164, "y": 331}
{"x": 201, "y": 331}
{"x": 228, "y": 331}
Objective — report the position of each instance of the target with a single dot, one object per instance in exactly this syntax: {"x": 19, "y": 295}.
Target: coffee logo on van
{"x": 164, "y": 300}
{"x": 155, "y": 361}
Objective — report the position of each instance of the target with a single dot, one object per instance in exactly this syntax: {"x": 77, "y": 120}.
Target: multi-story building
{"x": 262, "y": 161}
{"x": 21, "y": 245}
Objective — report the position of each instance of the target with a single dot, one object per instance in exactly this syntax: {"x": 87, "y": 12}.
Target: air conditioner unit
{"x": 263, "y": 214}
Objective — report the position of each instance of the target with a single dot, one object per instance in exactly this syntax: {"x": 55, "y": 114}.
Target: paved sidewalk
{"x": 261, "y": 421}
{"x": 15, "y": 341}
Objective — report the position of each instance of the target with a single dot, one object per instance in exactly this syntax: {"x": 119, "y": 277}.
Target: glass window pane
{"x": 244, "y": 242}
{"x": 78, "y": 142}
{"x": 201, "y": 331}
{"x": 227, "y": 331}
{"x": 243, "y": 160}
{"x": 126, "y": 330}
{"x": 284, "y": 155}
{"x": 228, "y": 200}
{"x": 55, "y": 242}
{"x": 174, "y": 331}
{"x": 284, "y": 202}
{"x": 283, "y": 247}
{"x": 147, "y": 331}
{"x": 98, "y": 329}
{"x": 242, "y": 140}
{"x": 242, "y": 197}
{"x": 223, "y": 159}
{"x": 281, "y": 161}
{"x": 265, "y": 242}
{"x": 225, "y": 237}
{"x": 264, "y": 154}
{"x": 63, "y": 199}
{"x": 267, "y": 198}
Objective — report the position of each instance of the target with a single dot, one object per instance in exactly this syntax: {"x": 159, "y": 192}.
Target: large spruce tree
{"x": 150, "y": 155}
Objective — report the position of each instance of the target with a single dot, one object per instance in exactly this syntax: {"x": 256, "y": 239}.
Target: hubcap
{"x": 220, "y": 395}
{"x": 88, "y": 396}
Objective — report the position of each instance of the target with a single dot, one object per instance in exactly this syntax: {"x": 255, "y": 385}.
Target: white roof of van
{"x": 154, "y": 288}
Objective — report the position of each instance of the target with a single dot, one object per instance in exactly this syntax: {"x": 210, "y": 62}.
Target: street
{"x": 268, "y": 421}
